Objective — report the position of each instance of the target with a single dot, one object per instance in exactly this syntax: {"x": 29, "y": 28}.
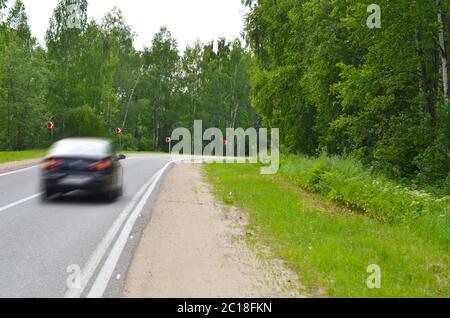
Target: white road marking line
{"x": 9, "y": 206}
{"x": 17, "y": 171}
{"x": 103, "y": 278}
{"x": 97, "y": 256}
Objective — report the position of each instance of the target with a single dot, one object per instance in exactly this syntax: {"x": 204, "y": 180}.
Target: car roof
{"x": 94, "y": 148}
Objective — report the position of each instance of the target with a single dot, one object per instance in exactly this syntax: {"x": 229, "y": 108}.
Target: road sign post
{"x": 169, "y": 141}
{"x": 50, "y": 126}
{"x": 119, "y": 132}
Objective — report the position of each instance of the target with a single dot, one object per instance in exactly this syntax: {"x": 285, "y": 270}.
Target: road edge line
{"x": 11, "y": 205}
{"x": 101, "y": 283}
{"x": 99, "y": 253}
{"x": 18, "y": 171}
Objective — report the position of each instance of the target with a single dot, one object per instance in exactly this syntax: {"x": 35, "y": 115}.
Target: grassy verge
{"x": 21, "y": 155}
{"x": 6, "y": 156}
{"x": 349, "y": 183}
{"x": 130, "y": 152}
{"x": 330, "y": 244}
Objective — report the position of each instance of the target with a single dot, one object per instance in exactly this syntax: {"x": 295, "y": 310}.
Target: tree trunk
{"x": 424, "y": 87}
{"x": 235, "y": 98}
{"x": 158, "y": 117}
{"x": 443, "y": 50}
{"x": 420, "y": 64}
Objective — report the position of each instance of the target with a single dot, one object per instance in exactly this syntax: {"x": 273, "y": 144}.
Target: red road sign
{"x": 119, "y": 131}
{"x": 50, "y": 125}
{"x": 168, "y": 139}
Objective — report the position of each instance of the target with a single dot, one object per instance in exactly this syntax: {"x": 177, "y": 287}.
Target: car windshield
{"x": 81, "y": 148}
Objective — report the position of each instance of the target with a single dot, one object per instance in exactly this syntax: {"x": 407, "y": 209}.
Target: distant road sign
{"x": 119, "y": 131}
{"x": 50, "y": 125}
{"x": 168, "y": 139}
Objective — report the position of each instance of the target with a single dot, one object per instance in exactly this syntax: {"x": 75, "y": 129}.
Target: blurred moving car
{"x": 82, "y": 164}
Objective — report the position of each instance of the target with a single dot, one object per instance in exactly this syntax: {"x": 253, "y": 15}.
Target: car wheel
{"x": 119, "y": 191}
{"x": 109, "y": 196}
{"x": 47, "y": 195}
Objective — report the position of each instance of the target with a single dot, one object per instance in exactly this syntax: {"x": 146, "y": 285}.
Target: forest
{"x": 336, "y": 86}
{"x": 312, "y": 68}
{"x": 89, "y": 79}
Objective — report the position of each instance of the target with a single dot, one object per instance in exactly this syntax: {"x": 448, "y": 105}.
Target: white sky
{"x": 187, "y": 20}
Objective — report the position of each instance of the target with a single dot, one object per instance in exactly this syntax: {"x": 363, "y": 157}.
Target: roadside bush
{"x": 348, "y": 182}
{"x": 434, "y": 162}
{"x": 145, "y": 144}
{"x": 125, "y": 142}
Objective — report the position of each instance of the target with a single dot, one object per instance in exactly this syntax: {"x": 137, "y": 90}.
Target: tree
{"x": 443, "y": 52}
{"x": 63, "y": 43}
{"x": 120, "y": 39}
{"x": 24, "y": 84}
{"x": 91, "y": 79}
{"x": 158, "y": 85}
{"x": 82, "y": 64}
{"x": 335, "y": 85}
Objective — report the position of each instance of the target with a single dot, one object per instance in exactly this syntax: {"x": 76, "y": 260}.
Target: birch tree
{"x": 443, "y": 49}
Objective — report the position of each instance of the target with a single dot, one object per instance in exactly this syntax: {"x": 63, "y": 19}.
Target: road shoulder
{"x": 195, "y": 248}
{"x": 11, "y": 166}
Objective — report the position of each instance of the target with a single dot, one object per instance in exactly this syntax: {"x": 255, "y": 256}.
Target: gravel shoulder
{"x": 17, "y": 165}
{"x": 196, "y": 248}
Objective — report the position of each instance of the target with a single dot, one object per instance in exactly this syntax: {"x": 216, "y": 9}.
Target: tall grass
{"x": 346, "y": 181}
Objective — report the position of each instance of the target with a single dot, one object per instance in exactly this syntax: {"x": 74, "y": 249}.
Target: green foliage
{"x": 203, "y": 84}
{"x": 82, "y": 64}
{"x": 23, "y": 79}
{"x": 347, "y": 182}
{"x": 83, "y": 122}
{"x": 315, "y": 70}
{"x": 91, "y": 80}
{"x": 434, "y": 162}
{"x": 333, "y": 84}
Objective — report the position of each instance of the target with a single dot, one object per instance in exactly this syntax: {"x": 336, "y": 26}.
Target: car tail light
{"x": 101, "y": 165}
{"x": 51, "y": 164}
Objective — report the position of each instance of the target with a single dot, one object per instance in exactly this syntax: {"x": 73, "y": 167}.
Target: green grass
{"x": 347, "y": 182}
{"x": 21, "y": 155}
{"x": 6, "y": 156}
{"x": 130, "y": 152}
{"x": 330, "y": 244}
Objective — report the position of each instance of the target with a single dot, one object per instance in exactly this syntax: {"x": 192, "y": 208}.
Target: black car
{"x": 82, "y": 164}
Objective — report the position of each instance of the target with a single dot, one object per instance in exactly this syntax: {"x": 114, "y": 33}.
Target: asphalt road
{"x": 76, "y": 246}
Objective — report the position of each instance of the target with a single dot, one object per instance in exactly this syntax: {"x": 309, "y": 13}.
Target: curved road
{"x": 76, "y": 246}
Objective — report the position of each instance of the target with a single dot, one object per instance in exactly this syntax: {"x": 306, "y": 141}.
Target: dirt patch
{"x": 17, "y": 165}
{"x": 196, "y": 248}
